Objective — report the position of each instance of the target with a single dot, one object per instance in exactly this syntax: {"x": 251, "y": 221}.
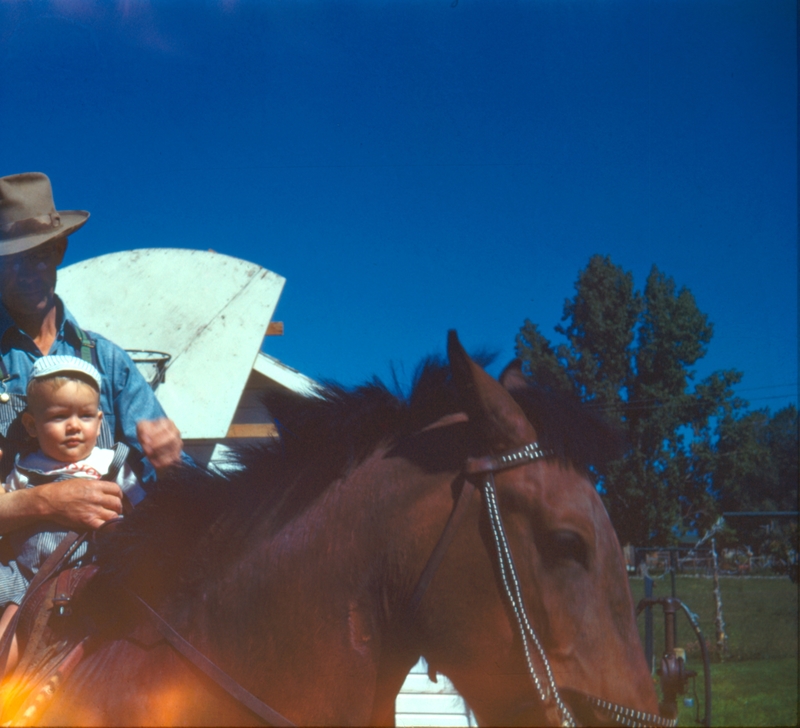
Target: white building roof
{"x": 277, "y": 371}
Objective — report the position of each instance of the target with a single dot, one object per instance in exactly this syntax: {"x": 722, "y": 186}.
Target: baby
{"x": 63, "y": 415}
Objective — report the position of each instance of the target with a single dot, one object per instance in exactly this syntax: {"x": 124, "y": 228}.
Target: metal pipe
{"x": 673, "y": 566}
{"x": 649, "y": 649}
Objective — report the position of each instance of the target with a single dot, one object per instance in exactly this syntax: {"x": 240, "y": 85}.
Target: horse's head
{"x": 572, "y": 584}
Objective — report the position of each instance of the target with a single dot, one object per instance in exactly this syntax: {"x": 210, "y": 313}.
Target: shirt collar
{"x": 63, "y": 316}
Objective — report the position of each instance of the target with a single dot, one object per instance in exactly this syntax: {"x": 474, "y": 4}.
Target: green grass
{"x": 760, "y": 615}
{"x": 751, "y": 693}
{"x": 756, "y": 684}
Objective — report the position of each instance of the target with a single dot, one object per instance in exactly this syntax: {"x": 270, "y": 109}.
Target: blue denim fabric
{"x": 125, "y": 397}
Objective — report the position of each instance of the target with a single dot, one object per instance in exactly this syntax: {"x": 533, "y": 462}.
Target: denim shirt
{"x": 125, "y": 397}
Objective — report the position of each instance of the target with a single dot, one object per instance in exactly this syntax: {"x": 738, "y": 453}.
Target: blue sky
{"x": 412, "y": 167}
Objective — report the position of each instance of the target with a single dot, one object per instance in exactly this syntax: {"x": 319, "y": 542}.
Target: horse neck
{"x": 384, "y": 516}
{"x": 321, "y": 594}
{"x": 410, "y": 508}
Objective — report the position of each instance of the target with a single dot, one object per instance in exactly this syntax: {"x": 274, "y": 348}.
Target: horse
{"x": 306, "y": 574}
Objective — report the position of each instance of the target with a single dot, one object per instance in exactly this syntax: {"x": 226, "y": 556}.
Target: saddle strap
{"x": 65, "y": 549}
{"x": 39, "y": 700}
{"x": 220, "y": 677}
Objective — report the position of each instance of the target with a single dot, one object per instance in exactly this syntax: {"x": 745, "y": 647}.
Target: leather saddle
{"x": 51, "y": 641}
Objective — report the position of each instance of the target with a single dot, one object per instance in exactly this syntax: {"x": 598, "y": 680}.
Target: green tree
{"x": 757, "y": 460}
{"x": 784, "y": 442}
{"x": 631, "y": 355}
{"x": 756, "y": 469}
{"x": 745, "y": 474}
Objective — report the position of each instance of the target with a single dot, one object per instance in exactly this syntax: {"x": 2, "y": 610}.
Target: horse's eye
{"x": 565, "y": 545}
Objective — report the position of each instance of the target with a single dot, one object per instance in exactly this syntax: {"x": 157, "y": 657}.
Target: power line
{"x": 640, "y": 405}
{"x": 768, "y": 386}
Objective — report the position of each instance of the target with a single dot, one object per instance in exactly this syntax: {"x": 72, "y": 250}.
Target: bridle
{"x": 478, "y": 473}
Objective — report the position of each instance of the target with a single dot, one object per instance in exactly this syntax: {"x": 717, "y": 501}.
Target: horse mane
{"x": 193, "y": 521}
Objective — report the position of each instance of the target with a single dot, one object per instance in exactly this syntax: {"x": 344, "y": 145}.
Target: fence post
{"x": 719, "y": 622}
{"x": 673, "y": 568}
{"x": 648, "y": 624}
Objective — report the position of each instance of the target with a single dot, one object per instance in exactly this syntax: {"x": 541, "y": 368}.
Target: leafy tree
{"x": 783, "y": 439}
{"x": 745, "y": 474}
{"x": 631, "y": 355}
{"x": 757, "y": 470}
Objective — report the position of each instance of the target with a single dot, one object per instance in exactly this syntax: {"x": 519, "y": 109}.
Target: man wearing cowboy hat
{"x": 34, "y": 322}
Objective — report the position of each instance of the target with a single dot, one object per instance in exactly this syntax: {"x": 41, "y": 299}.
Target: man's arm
{"x": 79, "y": 504}
{"x": 82, "y": 503}
{"x": 140, "y": 421}
{"x": 161, "y": 442}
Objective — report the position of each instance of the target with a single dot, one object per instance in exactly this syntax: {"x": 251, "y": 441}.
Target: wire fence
{"x": 658, "y": 563}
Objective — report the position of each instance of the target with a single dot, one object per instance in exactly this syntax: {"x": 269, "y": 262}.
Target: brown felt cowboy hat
{"x": 28, "y": 215}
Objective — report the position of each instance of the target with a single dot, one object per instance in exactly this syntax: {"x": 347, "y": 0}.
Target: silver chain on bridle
{"x": 546, "y": 688}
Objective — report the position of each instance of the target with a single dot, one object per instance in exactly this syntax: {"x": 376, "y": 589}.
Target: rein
{"x": 479, "y": 473}
{"x": 269, "y": 715}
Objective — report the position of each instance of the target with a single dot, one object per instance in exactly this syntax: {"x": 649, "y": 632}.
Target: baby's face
{"x": 66, "y": 421}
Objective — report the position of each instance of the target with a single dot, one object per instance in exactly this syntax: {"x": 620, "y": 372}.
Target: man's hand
{"x": 160, "y": 441}
{"x": 80, "y": 503}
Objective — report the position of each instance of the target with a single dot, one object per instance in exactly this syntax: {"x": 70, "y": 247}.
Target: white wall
{"x": 422, "y": 702}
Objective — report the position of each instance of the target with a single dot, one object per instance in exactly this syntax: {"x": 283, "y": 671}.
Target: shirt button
{"x": 4, "y": 397}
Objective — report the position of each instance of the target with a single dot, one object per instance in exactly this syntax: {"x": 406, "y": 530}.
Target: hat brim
{"x": 71, "y": 220}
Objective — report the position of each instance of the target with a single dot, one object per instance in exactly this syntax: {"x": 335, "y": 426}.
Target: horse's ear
{"x": 512, "y": 377}
{"x": 486, "y": 401}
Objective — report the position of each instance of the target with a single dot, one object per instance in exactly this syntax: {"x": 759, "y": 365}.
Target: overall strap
{"x": 121, "y": 452}
{"x": 88, "y": 346}
{"x": 4, "y": 371}
{"x": 11, "y": 406}
{"x": 132, "y": 492}
{"x": 6, "y": 375}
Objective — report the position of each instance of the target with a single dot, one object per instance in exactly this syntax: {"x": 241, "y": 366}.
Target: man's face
{"x": 28, "y": 280}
